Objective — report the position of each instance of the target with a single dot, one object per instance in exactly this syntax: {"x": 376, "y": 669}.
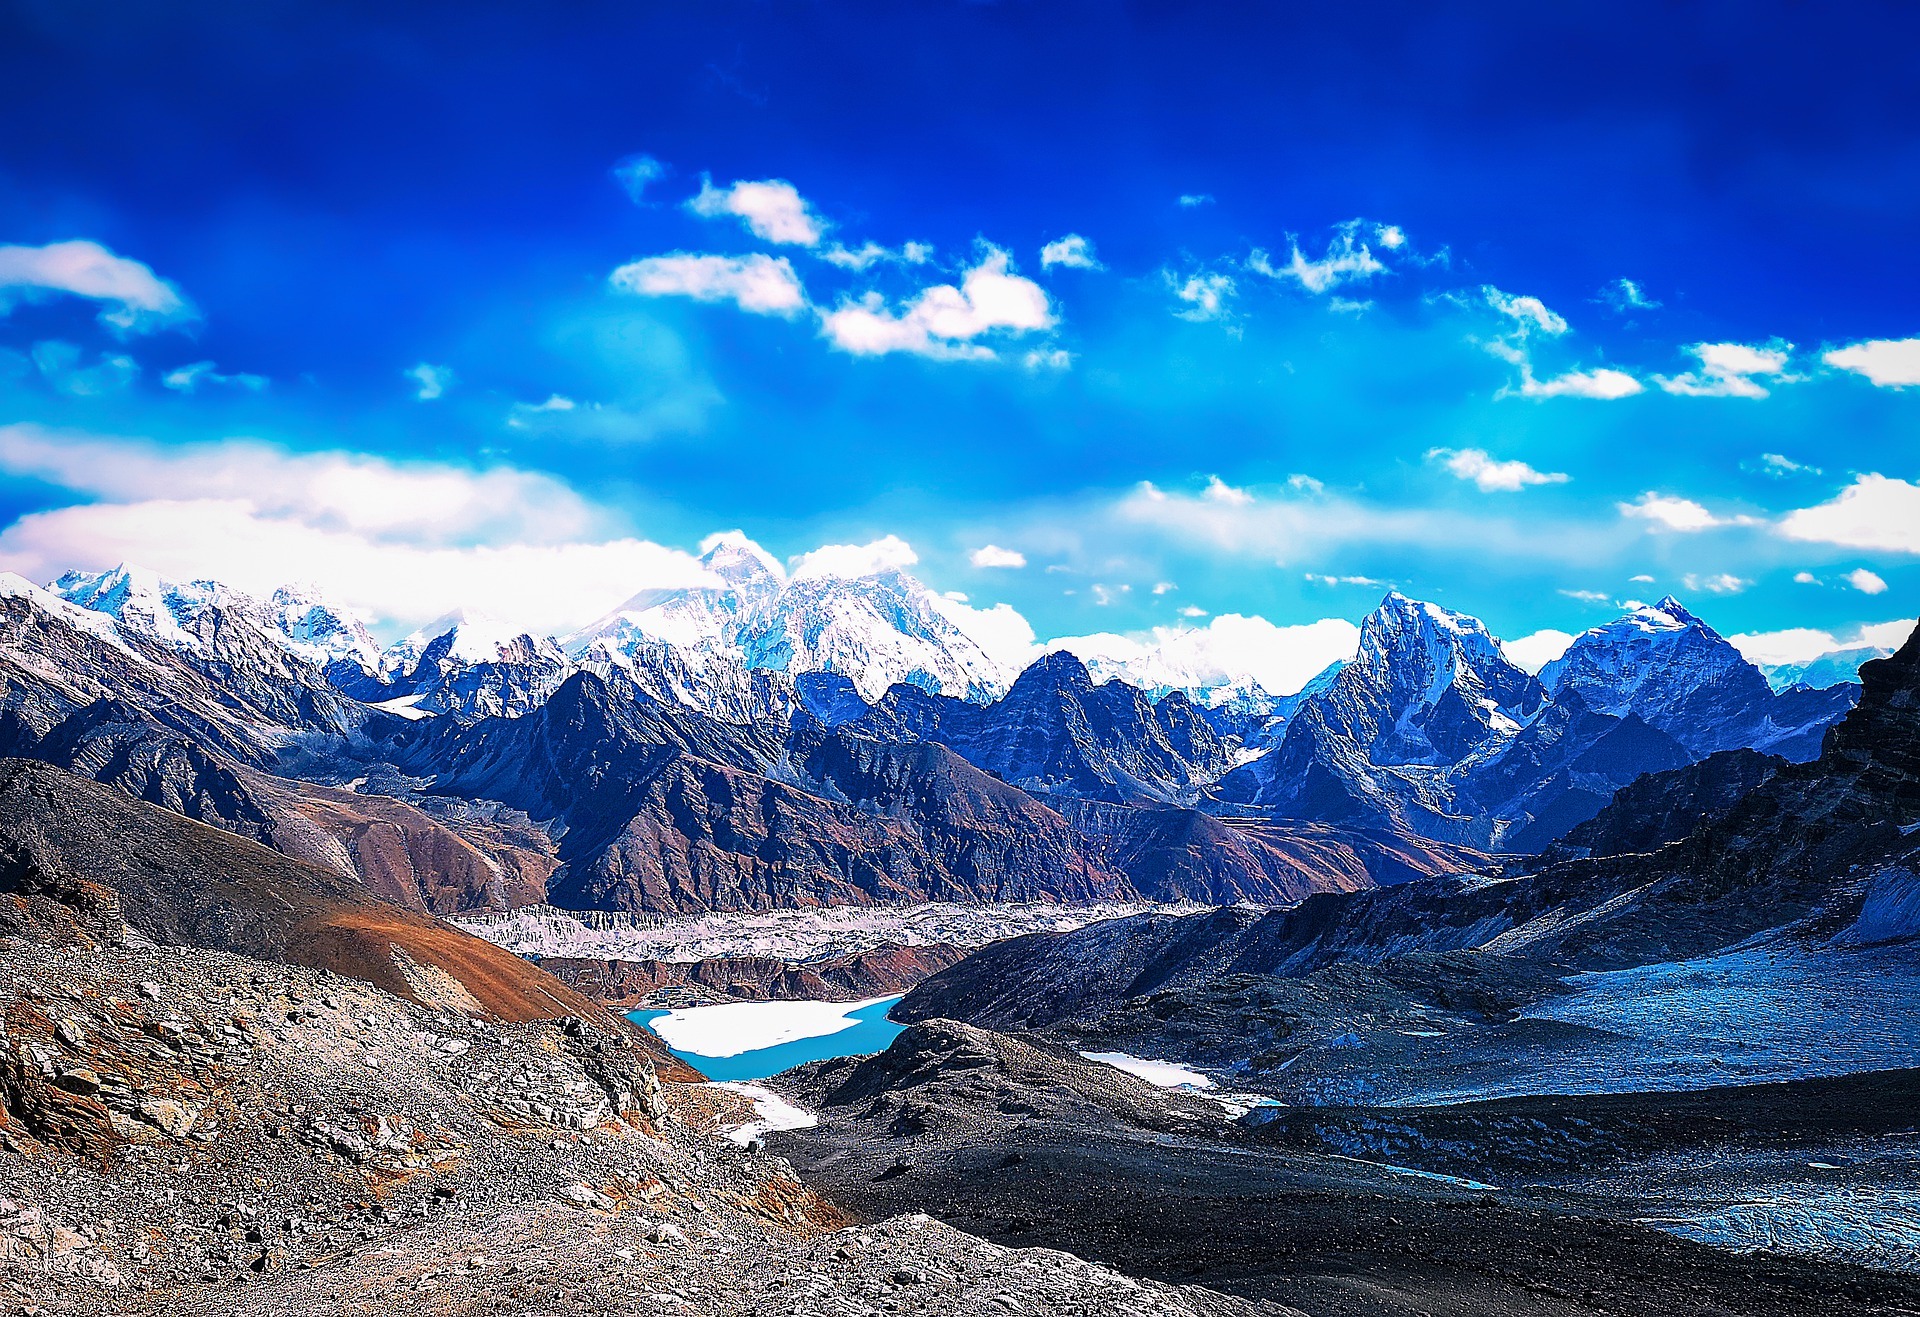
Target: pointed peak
{"x": 1674, "y": 609}
{"x": 1062, "y": 667}
{"x": 738, "y": 560}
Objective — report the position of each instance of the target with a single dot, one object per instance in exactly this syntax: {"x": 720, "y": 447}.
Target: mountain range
{"x": 822, "y": 736}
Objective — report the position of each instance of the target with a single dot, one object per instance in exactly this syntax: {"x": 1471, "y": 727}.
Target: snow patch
{"x": 1161, "y": 1074}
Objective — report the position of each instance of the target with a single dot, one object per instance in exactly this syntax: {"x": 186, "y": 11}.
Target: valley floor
{"x": 1330, "y": 1211}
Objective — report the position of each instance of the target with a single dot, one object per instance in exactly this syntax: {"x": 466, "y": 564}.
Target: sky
{"x": 1128, "y": 318}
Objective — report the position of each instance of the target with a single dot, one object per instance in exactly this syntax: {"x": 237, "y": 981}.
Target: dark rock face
{"x": 1666, "y": 806}
{"x": 697, "y": 836}
{"x": 1057, "y": 733}
{"x": 1432, "y": 731}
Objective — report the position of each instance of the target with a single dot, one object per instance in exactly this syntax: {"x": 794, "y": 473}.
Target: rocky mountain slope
{"x": 187, "y": 1131}
{"x": 1821, "y": 853}
{"x": 1432, "y": 730}
{"x": 82, "y": 864}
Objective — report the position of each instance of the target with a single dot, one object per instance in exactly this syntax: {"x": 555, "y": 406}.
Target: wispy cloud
{"x": 1202, "y": 297}
{"x": 1730, "y": 370}
{"x": 636, "y": 173}
{"x": 137, "y": 300}
{"x": 189, "y": 378}
{"x": 430, "y": 381}
{"x": 764, "y": 285}
{"x": 1072, "y": 252}
{"x": 1625, "y": 295}
{"x": 1670, "y": 512}
{"x": 1489, "y": 474}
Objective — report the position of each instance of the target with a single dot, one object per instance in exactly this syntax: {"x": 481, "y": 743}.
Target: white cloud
{"x": 1779, "y": 466}
{"x": 1534, "y": 652}
{"x": 1642, "y": 579}
{"x": 1588, "y": 596}
{"x": 1305, "y": 484}
{"x": 1625, "y": 295}
{"x": 1048, "y": 359}
{"x": 1874, "y": 512}
{"x": 139, "y": 300}
{"x": 942, "y": 321}
{"x": 1891, "y": 363}
{"x": 188, "y": 378}
{"x": 59, "y": 364}
{"x": 1282, "y": 659}
{"x": 1669, "y": 512}
{"x": 1346, "y": 260}
{"x": 1365, "y": 582}
{"x": 1602, "y": 383}
{"x": 1805, "y": 644}
{"x": 1476, "y": 465}
{"x": 852, "y": 561}
{"x": 1866, "y": 582}
{"x": 1722, "y": 583}
{"x": 1219, "y": 491}
{"x": 1108, "y": 594}
{"x": 404, "y": 542}
{"x": 1000, "y": 631}
{"x": 764, "y": 285}
{"x": 1073, "y": 251}
{"x": 1730, "y": 370}
{"x": 1164, "y": 587}
{"x": 1190, "y": 200}
{"x": 992, "y": 555}
{"x": 1193, "y": 610}
{"x": 872, "y": 253}
{"x": 1204, "y": 295}
{"x": 772, "y": 209}
{"x": 1805, "y": 578}
{"x": 634, "y": 174}
{"x": 416, "y": 502}
{"x": 431, "y": 381}
{"x": 1529, "y": 314}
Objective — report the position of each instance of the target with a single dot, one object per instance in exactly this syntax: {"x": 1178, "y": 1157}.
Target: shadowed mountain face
{"x": 1418, "y": 758}
{"x": 1432, "y": 730}
{"x": 1057, "y": 733}
{"x": 1822, "y": 853}
{"x": 81, "y": 861}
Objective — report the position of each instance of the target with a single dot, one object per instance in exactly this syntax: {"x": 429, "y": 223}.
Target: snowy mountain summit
{"x": 850, "y": 611}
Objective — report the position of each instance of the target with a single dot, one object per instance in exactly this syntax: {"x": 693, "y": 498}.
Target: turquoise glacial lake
{"x": 870, "y": 1032}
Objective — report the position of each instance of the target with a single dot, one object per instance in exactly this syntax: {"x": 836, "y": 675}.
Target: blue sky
{"x": 1244, "y": 310}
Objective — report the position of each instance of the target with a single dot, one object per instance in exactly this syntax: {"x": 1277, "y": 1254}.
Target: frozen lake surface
{"x": 749, "y": 1040}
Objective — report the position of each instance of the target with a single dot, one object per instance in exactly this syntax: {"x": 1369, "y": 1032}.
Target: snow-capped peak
{"x": 467, "y": 636}
{"x": 320, "y": 631}
{"x": 15, "y": 586}
{"x": 142, "y": 603}
{"x": 739, "y": 561}
{"x": 1645, "y": 659}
